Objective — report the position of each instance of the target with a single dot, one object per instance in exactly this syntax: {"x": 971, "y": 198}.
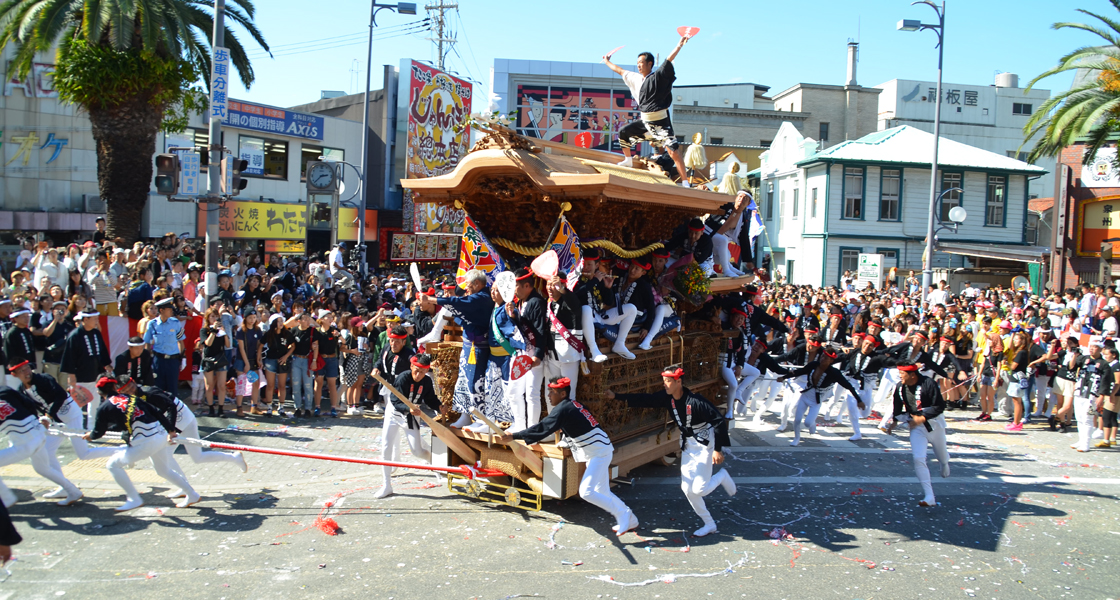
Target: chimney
{"x": 853, "y": 57}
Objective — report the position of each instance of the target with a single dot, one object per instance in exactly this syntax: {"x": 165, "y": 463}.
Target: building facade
{"x": 989, "y": 117}
{"x": 824, "y": 208}
{"x": 1086, "y": 213}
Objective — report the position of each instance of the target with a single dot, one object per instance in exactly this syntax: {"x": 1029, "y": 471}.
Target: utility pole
{"x": 214, "y": 170}
{"x": 441, "y": 27}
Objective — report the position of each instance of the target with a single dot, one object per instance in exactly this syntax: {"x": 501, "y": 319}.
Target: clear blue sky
{"x": 321, "y": 45}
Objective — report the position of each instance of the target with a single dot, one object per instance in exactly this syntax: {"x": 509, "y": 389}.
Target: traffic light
{"x": 239, "y": 183}
{"x": 167, "y": 174}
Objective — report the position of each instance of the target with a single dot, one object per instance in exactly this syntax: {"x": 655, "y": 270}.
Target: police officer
{"x": 164, "y": 337}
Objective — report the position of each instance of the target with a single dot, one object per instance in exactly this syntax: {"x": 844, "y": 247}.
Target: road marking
{"x": 987, "y": 479}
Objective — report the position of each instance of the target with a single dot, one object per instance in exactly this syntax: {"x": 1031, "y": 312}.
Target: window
{"x": 823, "y": 133}
{"x": 765, "y": 143}
{"x": 890, "y": 257}
{"x": 890, "y": 196}
{"x": 796, "y": 201}
{"x": 769, "y": 201}
{"x": 717, "y": 141}
{"x": 849, "y": 260}
{"x": 781, "y": 209}
{"x": 312, "y": 154}
{"x": 680, "y": 139}
{"x": 1032, "y": 228}
{"x": 952, "y": 199}
{"x": 267, "y": 158}
{"x": 1018, "y": 155}
{"x": 192, "y": 136}
{"x": 853, "y": 193}
{"x": 1018, "y": 108}
{"x": 813, "y": 203}
{"x": 996, "y": 201}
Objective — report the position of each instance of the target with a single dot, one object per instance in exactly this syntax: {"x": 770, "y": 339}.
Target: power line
{"x": 358, "y": 36}
{"x": 467, "y": 39}
{"x": 441, "y": 27}
{"x": 334, "y": 44}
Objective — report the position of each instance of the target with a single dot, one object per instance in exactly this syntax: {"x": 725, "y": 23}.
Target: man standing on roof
{"x": 653, "y": 91}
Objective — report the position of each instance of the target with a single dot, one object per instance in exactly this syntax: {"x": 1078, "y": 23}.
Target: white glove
{"x": 182, "y": 364}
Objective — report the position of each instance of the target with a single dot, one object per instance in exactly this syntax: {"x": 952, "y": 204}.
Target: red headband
{"x": 447, "y": 286}
{"x": 394, "y": 336}
{"x": 921, "y": 335}
{"x": 791, "y": 319}
{"x": 415, "y": 360}
{"x": 908, "y": 368}
{"x": 751, "y": 292}
{"x": 812, "y": 331}
{"x": 739, "y": 311}
{"x": 525, "y": 276}
{"x": 563, "y": 382}
{"x": 12, "y": 368}
{"x": 661, "y": 253}
{"x": 829, "y": 352}
{"x": 813, "y": 344}
{"x": 645, "y": 265}
{"x": 430, "y": 292}
{"x": 945, "y": 339}
{"x": 676, "y": 373}
{"x": 104, "y": 381}
{"x": 693, "y": 228}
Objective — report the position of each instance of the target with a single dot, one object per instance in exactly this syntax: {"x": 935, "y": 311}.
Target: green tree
{"x": 134, "y": 66}
{"x": 1090, "y": 109}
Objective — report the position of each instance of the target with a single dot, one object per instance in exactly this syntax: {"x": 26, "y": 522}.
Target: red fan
{"x": 519, "y": 366}
{"x": 583, "y": 139}
{"x": 546, "y": 265}
{"x": 612, "y": 52}
{"x": 688, "y": 32}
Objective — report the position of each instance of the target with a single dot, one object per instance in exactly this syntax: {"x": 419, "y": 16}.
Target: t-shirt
{"x": 276, "y": 346}
{"x": 302, "y": 339}
{"x": 655, "y": 91}
{"x": 328, "y": 341}
{"x": 215, "y": 350}
{"x": 251, "y": 337}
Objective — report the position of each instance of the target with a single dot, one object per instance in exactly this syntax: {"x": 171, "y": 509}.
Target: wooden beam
{"x": 520, "y": 450}
{"x": 443, "y": 433}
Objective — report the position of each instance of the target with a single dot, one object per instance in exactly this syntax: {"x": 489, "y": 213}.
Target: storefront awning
{"x": 1027, "y": 254}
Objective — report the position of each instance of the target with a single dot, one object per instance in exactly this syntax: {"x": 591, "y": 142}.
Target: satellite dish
{"x": 1021, "y": 284}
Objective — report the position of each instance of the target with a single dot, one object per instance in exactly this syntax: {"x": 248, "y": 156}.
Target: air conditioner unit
{"x": 93, "y": 204}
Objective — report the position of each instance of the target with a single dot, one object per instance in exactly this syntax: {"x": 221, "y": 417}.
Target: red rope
{"x": 463, "y": 470}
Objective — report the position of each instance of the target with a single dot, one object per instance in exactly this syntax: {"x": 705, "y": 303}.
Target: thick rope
{"x": 604, "y": 244}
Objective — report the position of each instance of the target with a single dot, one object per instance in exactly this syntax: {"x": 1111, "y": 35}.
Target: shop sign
{"x": 39, "y": 82}
{"x": 404, "y": 247}
{"x": 284, "y": 247}
{"x": 438, "y": 105}
{"x": 267, "y": 119}
{"x": 430, "y": 217}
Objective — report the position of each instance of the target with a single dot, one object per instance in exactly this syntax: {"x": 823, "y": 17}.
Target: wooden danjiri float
{"x": 514, "y": 188}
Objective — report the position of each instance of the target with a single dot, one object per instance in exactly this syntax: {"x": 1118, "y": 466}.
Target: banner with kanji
{"x": 566, "y": 246}
{"x": 476, "y": 252}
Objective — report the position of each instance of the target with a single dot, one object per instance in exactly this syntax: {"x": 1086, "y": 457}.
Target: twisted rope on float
{"x": 604, "y": 244}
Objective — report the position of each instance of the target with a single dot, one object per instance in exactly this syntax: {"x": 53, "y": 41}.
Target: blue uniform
{"x": 165, "y": 336}
{"x": 473, "y": 312}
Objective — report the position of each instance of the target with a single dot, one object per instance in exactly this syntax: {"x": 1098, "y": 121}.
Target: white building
{"x": 987, "y": 117}
{"x": 871, "y": 195}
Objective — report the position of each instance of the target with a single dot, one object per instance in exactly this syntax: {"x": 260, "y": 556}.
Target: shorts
{"x": 988, "y": 380}
{"x": 1108, "y": 418}
{"x": 210, "y": 365}
{"x": 659, "y": 133}
{"x": 273, "y": 365}
{"x": 1065, "y": 387}
{"x": 239, "y": 366}
{"x": 330, "y": 368}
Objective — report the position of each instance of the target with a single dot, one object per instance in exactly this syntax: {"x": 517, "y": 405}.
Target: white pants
{"x": 659, "y": 314}
{"x": 1040, "y": 394}
{"x": 187, "y": 424}
{"x": 32, "y": 444}
{"x": 524, "y": 397}
{"x": 153, "y": 446}
{"x": 790, "y": 396}
{"x": 722, "y": 255}
{"x": 883, "y": 394}
{"x": 737, "y": 388}
{"x": 198, "y": 388}
{"x": 1083, "y": 413}
{"x": 920, "y": 439}
{"x": 595, "y": 486}
{"x": 394, "y": 424}
{"x": 587, "y": 323}
{"x": 696, "y": 475}
{"x": 807, "y": 408}
{"x": 767, "y": 391}
{"x": 438, "y": 325}
{"x": 625, "y": 321}
{"x": 555, "y": 368}
{"x": 854, "y": 412}
{"x": 94, "y": 403}
{"x": 71, "y": 417}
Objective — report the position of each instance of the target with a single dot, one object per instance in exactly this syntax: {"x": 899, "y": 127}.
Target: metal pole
{"x": 214, "y": 170}
{"x": 927, "y": 271}
{"x": 362, "y": 267}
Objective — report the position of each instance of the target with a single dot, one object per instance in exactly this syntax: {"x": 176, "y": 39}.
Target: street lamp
{"x": 404, "y": 8}
{"x": 939, "y": 29}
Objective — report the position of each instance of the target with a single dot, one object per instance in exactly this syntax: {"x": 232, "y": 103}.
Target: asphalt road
{"x": 1022, "y": 516}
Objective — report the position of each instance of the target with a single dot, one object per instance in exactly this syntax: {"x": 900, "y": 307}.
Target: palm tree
{"x": 1090, "y": 109}
{"x": 133, "y": 66}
